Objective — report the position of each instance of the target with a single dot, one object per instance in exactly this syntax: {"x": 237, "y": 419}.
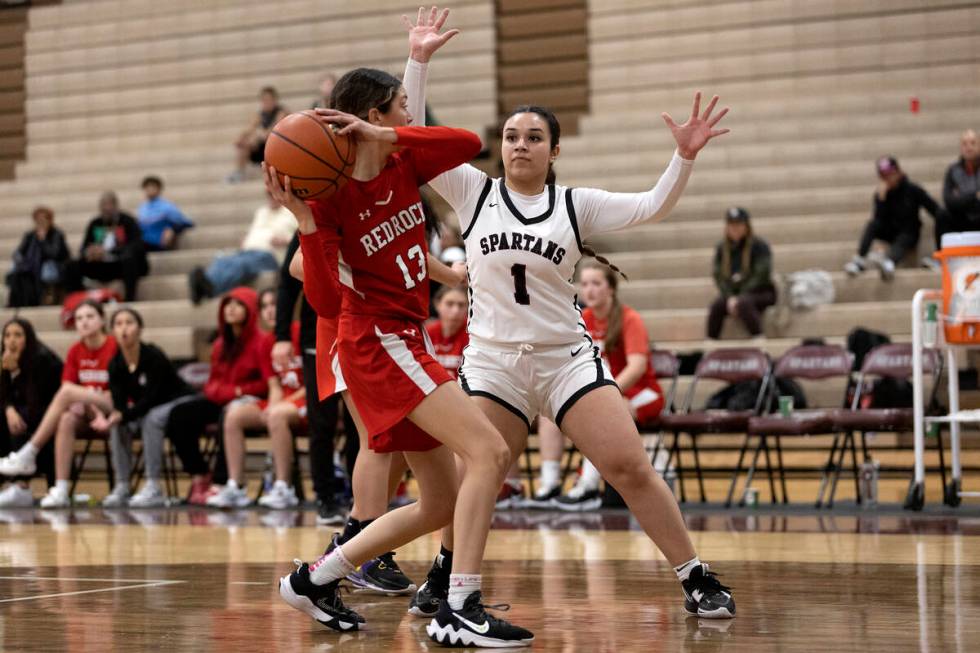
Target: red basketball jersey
{"x": 372, "y": 233}
{"x": 449, "y": 351}
{"x": 89, "y": 367}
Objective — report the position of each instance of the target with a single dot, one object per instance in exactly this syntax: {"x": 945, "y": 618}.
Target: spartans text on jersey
{"x": 525, "y": 242}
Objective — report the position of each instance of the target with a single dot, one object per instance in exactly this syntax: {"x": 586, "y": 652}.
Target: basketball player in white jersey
{"x": 529, "y": 352}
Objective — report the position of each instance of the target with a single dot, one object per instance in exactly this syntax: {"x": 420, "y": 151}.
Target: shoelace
{"x": 709, "y": 581}
{"x": 388, "y": 562}
{"x": 476, "y": 604}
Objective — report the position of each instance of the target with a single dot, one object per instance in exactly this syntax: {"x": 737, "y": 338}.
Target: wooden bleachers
{"x": 117, "y": 89}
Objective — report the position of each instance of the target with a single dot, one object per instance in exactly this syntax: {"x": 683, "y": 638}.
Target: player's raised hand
{"x": 423, "y": 36}
{"x": 698, "y": 130}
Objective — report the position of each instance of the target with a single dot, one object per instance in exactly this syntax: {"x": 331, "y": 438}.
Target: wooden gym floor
{"x": 186, "y": 580}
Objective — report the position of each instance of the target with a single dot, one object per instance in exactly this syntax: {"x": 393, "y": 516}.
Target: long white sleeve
{"x": 600, "y": 211}
{"x": 416, "y": 75}
{"x": 453, "y": 185}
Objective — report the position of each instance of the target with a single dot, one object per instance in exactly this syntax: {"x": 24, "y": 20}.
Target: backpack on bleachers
{"x": 809, "y": 288}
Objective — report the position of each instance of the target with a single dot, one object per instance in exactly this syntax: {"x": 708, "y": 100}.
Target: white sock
{"x": 590, "y": 476}
{"x": 460, "y": 587}
{"x": 330, "y": 568}
{"x": 152, "y": 483}
{"x": 282, "y": 485}
{"x": 62, "y": 485}
{"x": 121, "y": 488}
{"x": 28, "y": 451}
{"x": 684, "y": 570}
{"x": 550, "y": 470}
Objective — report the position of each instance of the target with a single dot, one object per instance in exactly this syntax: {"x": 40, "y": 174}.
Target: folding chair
{"x": 732, "y": 365}
{"x": 78, "y": 460}
{"x": 804, "y": 362}
{"x": 892, "y": 361}
{"x": 666, "y": 367}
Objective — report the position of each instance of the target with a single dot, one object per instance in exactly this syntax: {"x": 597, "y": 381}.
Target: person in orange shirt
{"x": 619, "y": 333}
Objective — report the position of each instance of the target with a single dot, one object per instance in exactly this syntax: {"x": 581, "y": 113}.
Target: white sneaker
{"x": 118, "y": 498}
{"x": 15, "y": 496}
{"x": 887, "y": 268}
{"x": 930, "y": 263}
{"x": 149, "y": 496}
{"x": 56, "y": 498}
{"x": 17, "y": 464}
{"x": 279, "y": 497}
{"x": 581, "y": 498}
{"x": 855, "y": 266}
{"x": 229, "y": 496}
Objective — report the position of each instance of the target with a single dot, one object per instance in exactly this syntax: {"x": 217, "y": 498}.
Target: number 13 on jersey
{"x": 414, "y": 253}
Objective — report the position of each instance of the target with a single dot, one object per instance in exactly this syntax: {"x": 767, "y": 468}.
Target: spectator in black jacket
{"x": 895, "y": 220}
{"x": 112, "y": 249}
{"x": 29, "y": 378}
{"x": 961, "y": 190}
{"x": 39, "y": 262}
{"x": 145, "y": 388}
{"x": 743, "y": 275}
{"x": 322, "y": 416}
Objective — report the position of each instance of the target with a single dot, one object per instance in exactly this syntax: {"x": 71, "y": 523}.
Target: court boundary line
{"x": 155, "y": 583}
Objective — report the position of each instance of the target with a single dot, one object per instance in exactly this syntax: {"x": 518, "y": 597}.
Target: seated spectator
{"x": 29, "y": 378}
{"x": 81, "y": 405}
{"x": 279, "y": 415}
{"x": 326, "y": 89}
{"x": 743, "y": 275}
{"x": 39, "y": 262}
{"x": 240, "y": 367}
{"x": 961, "y": 190}
{"x": 621, "y": 336}
{"x": 112, "y": 249}
{"x": 145, "y": 388}
{"x": 250, "y": 145}
{"x": 448, "y": 332}
{"x": 262, "y": 250}
{"x": 895, "y": 220}
{"x": 161, "y": 221}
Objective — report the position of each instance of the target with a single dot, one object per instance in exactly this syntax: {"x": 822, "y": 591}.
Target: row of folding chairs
{"x": 762, "y": 427}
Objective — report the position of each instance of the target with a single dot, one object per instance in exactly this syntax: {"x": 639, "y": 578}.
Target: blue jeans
{"x": 232, "y": 270}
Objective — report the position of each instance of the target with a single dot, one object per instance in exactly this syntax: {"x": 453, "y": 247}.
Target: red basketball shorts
{"x": 389, "y": 368}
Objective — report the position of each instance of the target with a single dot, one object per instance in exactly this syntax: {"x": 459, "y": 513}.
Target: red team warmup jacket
{"x": 250, "y": 368}
{"x": 370, "y": 242}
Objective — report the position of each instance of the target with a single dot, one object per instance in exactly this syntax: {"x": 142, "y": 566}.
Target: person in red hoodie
{"x": 240, "y": 367}
{"x": 81, "y": 404}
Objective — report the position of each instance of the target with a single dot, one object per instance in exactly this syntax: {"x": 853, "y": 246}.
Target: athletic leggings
{"x": 186, "y": 425}
{"x": 749, "y": 310}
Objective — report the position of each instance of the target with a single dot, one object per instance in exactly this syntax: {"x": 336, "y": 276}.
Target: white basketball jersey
{"x": 521, "y": 268}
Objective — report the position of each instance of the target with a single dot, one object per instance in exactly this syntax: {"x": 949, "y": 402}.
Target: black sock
{"x": 352, "y": 528}
{"x": 442, "y": 566}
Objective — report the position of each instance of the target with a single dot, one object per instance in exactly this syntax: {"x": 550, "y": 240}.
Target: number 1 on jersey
{"x": 414, "y": 252}
{"x": 519, "y": 272}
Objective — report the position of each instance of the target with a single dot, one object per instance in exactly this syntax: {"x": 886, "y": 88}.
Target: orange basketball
{"x": 318, "y": 161}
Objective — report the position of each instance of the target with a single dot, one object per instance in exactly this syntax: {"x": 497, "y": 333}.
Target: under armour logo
{"x": 409, "y": 332}
{"x": 364, "y": 215}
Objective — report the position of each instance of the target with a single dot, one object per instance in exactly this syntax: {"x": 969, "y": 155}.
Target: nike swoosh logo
{"x": 492, "y": 204}
{"x": 575, "y": 353}
{"x": 481, "y": 629}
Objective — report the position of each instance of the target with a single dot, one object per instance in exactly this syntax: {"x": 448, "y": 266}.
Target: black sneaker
{"x": 428, "y": 598}
{"x": 474, "y": 626}
{"x": 330, "y": 514}
{"x": 543, "y": 499}
{"x": 578, "y": 500}
{"x": 322, "y": 602}
{"x": 706, "y": 597}
{"x": 382, "y": 574}
{"x": 200, "y": 286}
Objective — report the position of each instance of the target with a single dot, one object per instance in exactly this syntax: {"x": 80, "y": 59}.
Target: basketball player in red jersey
{"x": 370, "y": 238}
